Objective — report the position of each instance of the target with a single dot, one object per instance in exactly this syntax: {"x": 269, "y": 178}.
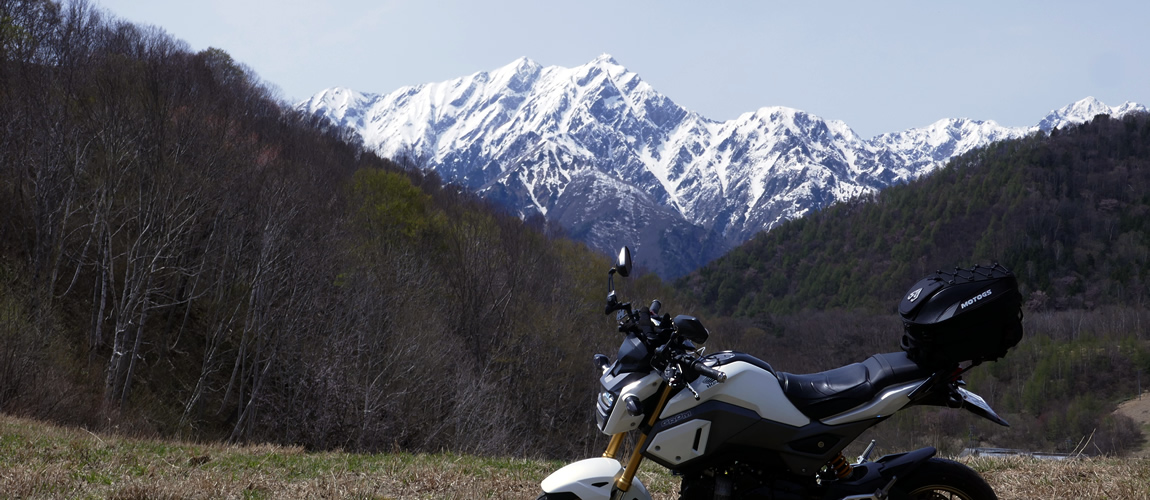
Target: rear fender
{"x": 902, "y": 464}
{"x": 881, "y": 474}
{"x": 975, "y": 404}
{"x": 956, "y": 396}
{"x": 592, "y": 479}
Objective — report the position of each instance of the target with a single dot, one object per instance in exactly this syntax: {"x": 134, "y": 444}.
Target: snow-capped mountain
{"x": 1084, "y": 111}
{"x": 597, "y": 149}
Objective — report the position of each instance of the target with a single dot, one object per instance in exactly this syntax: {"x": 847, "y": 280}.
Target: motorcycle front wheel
{"x": 942, "y": 479}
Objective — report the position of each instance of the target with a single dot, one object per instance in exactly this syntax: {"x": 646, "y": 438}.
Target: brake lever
{"x": 676, "y": 380}
{"x": 693, "y": 392}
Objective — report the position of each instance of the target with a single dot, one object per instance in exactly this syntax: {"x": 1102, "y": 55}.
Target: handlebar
{"x": 709, "y": 372}
{"x": 697, "y": 365}
{"x": 660, "y": 333}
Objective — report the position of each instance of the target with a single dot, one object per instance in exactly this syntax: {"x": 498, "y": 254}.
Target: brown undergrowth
{"x": 43, "y": 461}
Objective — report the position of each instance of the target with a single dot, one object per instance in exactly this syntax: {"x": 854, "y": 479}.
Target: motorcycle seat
{"x": 820, "y": 395}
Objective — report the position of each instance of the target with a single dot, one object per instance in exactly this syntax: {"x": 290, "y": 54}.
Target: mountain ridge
{"x": 529, "y": 136}
{"x": 1066, "y": 212}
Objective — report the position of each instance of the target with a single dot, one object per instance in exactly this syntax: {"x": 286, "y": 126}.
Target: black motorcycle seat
{"x": 820, "y": 395}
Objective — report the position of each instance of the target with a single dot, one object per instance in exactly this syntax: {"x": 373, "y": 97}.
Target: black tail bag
{"x": 967, "y": 315}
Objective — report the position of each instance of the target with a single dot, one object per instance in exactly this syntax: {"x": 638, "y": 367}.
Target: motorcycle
{"x": 735, "y": 428}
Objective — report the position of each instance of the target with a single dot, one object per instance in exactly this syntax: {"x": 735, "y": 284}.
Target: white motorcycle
{"x": 734, "y": 428}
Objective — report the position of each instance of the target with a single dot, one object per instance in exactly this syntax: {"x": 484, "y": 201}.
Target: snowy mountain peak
{"x": 605, "y": 59}
{"x": 600, "y": 151}
{"x": 1083, "y": 111}
{"x": 337, "y": 104}
{"x": 775, "y": 114}
{"x": 339, "y": 96}
{"x": 523, "y": 62}
{"x": 522, "y": 67}
{"x": 1130, "y": 107}
{"x": 517, "y": 76}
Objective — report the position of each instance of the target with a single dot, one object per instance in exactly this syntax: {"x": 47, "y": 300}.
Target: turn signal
{"x": 634, "y": 406}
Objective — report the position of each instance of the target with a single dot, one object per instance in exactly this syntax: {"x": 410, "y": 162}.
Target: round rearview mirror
{"x": 623, "y": 264}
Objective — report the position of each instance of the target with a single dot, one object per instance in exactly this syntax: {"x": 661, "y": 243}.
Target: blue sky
{"x": 878, "y": 66}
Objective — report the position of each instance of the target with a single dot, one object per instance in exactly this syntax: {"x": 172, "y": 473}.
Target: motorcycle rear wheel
{"x": 942, "y": 479}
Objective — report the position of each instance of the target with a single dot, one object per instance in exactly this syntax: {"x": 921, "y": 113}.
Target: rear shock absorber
{"x": 839, "y": 465}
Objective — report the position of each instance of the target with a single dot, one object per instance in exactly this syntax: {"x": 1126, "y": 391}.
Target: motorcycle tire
{"x": 940, "y": 478}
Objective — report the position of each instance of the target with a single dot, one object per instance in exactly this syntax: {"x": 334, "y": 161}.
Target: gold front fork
{"x": 613, "y": 446}
{"x": 624, "y": 479}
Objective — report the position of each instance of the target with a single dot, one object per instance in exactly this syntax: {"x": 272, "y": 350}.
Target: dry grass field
{"x": 1138, "y": 409}
{"x": 44, "y": 461}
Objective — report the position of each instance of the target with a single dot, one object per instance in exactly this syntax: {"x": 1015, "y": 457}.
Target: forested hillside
{"x": 1069, "y": 213}
{"x": 180, "y": 253}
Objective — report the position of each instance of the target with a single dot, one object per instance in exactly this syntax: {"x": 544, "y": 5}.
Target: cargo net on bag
{"x": 970, "y": 314}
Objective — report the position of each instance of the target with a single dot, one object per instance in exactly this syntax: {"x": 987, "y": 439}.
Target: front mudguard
{"x": 592, "y": 479}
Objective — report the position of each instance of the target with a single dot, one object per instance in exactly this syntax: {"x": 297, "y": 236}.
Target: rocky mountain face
{"x": 615, "y": 162}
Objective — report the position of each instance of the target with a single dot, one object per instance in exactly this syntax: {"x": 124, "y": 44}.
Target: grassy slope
{"x": 1138, "y": 409}
{"x": 38, "y": 460}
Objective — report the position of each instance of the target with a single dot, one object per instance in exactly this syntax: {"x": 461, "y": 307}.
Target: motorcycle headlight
{"x": 603, "y": 406}
{"x": 607, "y": 400}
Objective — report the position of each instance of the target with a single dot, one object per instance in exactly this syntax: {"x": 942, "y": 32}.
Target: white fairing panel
{"x": 886, "y": 403}
{"x": 681, "y": 443}
{"x": 620, "y": 420}
{"x": 592, "y": 479}
{"x": 747, "y": 386}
